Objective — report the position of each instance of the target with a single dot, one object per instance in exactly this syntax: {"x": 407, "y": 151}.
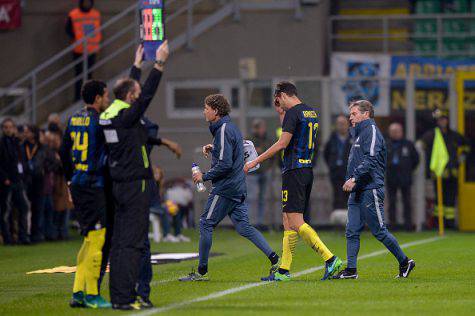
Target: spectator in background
{"x": 336, "y": 155}
{"x": 401, "y": 162}
{"x": 454, "y": 141}
{"x": 20, "y": 133}
{"x": 61, "y": 199}
{"x": 51, "y": 167}
{"x": 83, "y": 21}
{"x": 158, "y": 208}
{"x": 179, "y": 192}
{"x": 54, "y": 123}
{"x": 35, "y": 159}
{"x": 12, "y": 180}
{"x": 257, "y": 180}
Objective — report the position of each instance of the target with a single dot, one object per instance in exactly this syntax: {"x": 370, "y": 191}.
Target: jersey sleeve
{"x": 290, "y": 122}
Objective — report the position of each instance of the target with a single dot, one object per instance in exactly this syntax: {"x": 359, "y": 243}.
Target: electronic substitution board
{"x": 152, "y": 26}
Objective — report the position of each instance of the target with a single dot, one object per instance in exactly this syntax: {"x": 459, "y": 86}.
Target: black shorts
{"x": 296, "y": 189}
{"x": 90, "y": 206}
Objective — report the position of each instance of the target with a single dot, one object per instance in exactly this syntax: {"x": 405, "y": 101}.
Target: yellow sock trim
{"x": 311, "y": 238}
{"x": 79, "y": 279}
{"x": 288, "y": 248}
{"x": 93, "y": 260}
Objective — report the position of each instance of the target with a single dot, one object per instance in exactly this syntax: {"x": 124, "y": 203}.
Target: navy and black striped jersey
{"x": 302, "y": 122}
{"x": 84, "y": 145}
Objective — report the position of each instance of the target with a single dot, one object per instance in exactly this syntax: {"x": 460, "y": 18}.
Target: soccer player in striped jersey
{"x": 299, "y": 131}
{"x": 83, "y": 156}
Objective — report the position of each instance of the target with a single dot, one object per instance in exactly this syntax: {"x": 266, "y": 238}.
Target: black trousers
{"x": 14, "y": 196}
{"x": 128, "y": 240}
{"x": 110, "y": 215}
{"x": 406, "y": 201}
{"x": 91, "y": 60}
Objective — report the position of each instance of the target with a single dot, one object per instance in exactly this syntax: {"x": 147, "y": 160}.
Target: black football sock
{"x": 274, "y": 258}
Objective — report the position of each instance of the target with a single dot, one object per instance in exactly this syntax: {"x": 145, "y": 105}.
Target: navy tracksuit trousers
{"x": 368, "y": 207}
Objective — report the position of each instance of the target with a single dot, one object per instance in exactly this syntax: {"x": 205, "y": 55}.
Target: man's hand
{"x": 349, "y": 185}
{"x": 7, "y": 182}
{"x": 251, "y": 164}
{"x": 197, "y": 177}
{"x": 70, "y": 197}
{"x": 207, "y": 149}
{"x": 161, "y": 55}
{"x": 138, "y": 56}
{"x": 175, "y": 148}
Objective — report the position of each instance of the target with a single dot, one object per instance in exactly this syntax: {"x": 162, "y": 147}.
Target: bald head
{"x": 396, "y": 131}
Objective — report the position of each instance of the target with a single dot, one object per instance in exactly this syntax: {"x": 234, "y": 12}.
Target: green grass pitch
{"x": 443, "y": 282}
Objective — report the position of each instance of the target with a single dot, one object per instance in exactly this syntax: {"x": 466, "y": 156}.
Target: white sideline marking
{"x": 256, "y": 284}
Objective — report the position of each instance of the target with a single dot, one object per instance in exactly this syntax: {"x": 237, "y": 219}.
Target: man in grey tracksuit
{"x": 228, "y": 193}
{"x": 365, "y": 180}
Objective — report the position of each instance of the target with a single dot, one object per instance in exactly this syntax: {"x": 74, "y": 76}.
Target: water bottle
{"x": 200, "y": 187}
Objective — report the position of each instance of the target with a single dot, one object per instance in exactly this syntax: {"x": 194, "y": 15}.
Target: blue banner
{"x": 404, "y": 66}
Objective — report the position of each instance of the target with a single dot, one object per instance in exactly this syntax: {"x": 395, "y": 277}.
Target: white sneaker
{"x": 183, "y": 238}
{"x": 170, "y": 238}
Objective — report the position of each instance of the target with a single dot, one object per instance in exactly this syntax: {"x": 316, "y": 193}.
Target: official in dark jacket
{"x": 402, "y": 161}
{"x": 228, "y": 194}
{"x": 336, "y": 155}
{"x": 457, "y": 146}
{"x": 126, "y": 139}
{"x": 36, "y": 154}
{"x": 146, "y": 272}
{"x": 365, "y": 174}
{"x": 13, "y": 169}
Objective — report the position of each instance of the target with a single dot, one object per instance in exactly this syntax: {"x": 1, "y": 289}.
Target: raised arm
{"x": 131, "y": 115}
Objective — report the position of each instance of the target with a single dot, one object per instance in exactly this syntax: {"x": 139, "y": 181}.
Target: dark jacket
{"x": 453, "y": 141}
{"x": 36, "y": 165}
{"x": 367, "y": 161}
{"x": 336, "y": 156}
{"x": 12, "y": 160}
{"x": 227, "y": 161}
{"x": 126, "y": 134}
{"x": 152, "y": 128}
{"x": 402, "y": 161}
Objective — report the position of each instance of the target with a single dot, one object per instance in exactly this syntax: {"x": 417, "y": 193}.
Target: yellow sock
{"x": 288, "y": 248}
{"x": 311, "y": 238}
{"x": 79, "y": 279}
{"x": 93, "y": 260}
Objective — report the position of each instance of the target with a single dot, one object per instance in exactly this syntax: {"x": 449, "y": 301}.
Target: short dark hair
{"x": 286, "y": 87}
{"x": 123, "y": 87}
{"x": 219, "y": 103}
{"x": 363, "y": 106}
{"x": 7, "y": 119}
{"x": 35, "y": 130}
{"x": 91, "y": 89}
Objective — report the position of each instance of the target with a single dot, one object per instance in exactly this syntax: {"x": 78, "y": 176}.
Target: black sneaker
{"x": 193, "y": 276}
{"x": 128, "y": 307}
{"x": 144, "y": 302}
{"x": 345, "y": 274}
{"x": 406, "y": 269}
{"x": 77, "y": 301}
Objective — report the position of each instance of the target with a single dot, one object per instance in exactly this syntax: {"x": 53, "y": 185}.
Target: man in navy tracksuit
{"x": 228, "y": 193}
{"x": 365, "y": 180}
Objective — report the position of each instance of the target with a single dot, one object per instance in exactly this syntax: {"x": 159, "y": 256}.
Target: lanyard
{"x": 30, "y": 153}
